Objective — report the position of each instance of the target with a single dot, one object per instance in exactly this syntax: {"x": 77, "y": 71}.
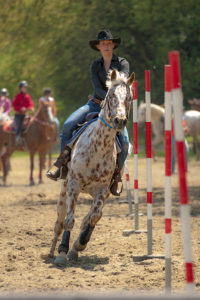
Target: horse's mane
{"x": 121, "y": 77}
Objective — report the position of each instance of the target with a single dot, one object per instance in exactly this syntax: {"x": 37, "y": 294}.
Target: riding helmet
{"x": 23, "y": 83}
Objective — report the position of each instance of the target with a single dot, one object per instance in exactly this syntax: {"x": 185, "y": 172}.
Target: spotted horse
{"x": 93, "y": 161}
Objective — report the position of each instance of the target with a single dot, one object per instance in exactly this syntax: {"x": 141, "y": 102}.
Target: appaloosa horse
{"x": 38, "y": 137}
{"x": 157, "y": 120}
{"x": 93, "y": 161}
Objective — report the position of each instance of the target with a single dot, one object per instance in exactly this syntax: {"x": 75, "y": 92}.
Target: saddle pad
{"x": 70, "y": 143}
{"x": 9, "y": 128}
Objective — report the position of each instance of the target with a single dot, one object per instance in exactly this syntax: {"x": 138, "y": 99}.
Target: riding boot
{"x": 116, "y": 185}
{"x": 59, "y": 169}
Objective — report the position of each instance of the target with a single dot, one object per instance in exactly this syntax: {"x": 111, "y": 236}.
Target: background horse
{"x": 192, "y": 120}
{"x": 93, "y": 161}
{"x": 157, "y": 120}
{"x": 39, "y": 137}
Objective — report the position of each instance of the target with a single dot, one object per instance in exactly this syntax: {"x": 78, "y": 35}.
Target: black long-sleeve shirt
{"x": 99, "y": 74}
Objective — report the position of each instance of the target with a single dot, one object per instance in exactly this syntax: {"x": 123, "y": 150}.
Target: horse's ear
{"x": 113, "y": 75}
{"x": 131, "y": 78}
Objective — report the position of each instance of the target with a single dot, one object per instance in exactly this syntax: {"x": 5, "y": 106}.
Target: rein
{"x": 39, "y": 121}
{"x": 104, "y": 122}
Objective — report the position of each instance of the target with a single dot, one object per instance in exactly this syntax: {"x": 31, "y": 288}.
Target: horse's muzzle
{"x": 119, "y": 123}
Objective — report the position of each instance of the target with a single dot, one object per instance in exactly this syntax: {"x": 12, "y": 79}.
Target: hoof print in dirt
{"x": 60, "y": 261}
{"x": 72, "y": 255}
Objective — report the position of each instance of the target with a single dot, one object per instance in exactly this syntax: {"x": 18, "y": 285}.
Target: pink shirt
{"x": 5, "y": 104}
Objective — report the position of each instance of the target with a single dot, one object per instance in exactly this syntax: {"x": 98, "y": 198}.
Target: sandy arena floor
{"x": 26, "y": 229}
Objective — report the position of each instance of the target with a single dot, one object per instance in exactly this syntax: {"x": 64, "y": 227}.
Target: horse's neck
{"x": 39, "y": 115}
{"x": 103, "y": 133}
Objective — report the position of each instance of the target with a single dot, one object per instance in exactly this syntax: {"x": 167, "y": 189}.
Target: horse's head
{"x": 46, "y": 112}
{"x": 141, "y": 114}
{"x": 118, "y": 99}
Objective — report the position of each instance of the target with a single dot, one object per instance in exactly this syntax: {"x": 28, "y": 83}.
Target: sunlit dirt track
{"x": 26, "y": 229}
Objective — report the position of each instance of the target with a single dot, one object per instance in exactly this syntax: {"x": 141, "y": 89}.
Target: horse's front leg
{"x": 61, "y": 213}
{"x": 4, "y": 159}
{"x": 31, "y": 168}
{"x": 41, "y": 164}
{"x": 89, "y": 223}
{"x": 72, "y": 195}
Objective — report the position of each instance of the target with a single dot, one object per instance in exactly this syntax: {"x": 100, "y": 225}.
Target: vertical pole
{"x": 168, "y": 172}
{"x": 128, "y": 191}
{"x": 135, "y": 151}
{"x": 180, "y": 152}
{"x": 148, "y": 160}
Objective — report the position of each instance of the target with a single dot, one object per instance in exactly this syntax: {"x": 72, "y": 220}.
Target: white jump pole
{"x": 135, "y": 152}
{"x": 137, "y": 258}
{"x": 148, "y": 160}
{"x": 180, "y": 152}
{"x": 128, "y": 190}
{"x": 168, "y": 172}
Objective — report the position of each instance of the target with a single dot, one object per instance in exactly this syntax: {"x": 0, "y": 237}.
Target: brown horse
{"x": 39, "y": 137}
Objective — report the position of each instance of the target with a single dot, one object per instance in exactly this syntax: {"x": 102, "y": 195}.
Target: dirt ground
{"x": 27, "y": 219}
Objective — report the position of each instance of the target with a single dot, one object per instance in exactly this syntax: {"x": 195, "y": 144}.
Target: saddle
{"x": 10, "y": 126}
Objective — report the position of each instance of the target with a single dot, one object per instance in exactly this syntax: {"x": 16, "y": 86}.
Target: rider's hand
{"x": 23, "y": 109}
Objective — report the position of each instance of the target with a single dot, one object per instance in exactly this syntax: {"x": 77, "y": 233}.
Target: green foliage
{"x": 46, "y": 43}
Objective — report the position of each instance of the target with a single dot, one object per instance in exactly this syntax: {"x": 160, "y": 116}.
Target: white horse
{"x": 192, "y": 120}
{"x": 93, "y": 161}
{"x": 157, "y": 121}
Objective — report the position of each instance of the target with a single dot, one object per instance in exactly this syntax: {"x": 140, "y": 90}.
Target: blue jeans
{"x": 78, "y": 117}
{"x": 19, "y": 118}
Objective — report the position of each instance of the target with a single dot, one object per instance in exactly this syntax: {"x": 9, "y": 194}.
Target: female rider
{"x": 105, "y": 43}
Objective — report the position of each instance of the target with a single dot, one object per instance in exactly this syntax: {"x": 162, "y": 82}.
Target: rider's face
{"x": 105, "y": 47}
{"x": 24, "y": 89}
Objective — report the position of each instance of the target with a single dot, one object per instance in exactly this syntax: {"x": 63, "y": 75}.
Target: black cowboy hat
{"x": 104, "y": 35}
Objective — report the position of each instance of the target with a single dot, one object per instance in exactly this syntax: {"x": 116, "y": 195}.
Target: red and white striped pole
{"x": 183, "y": 191}
{"x": 135, "y": 151}
{"x": 148, "y": 160}
{"x": 128, "y": 190}
{"x": 168, "y": 172}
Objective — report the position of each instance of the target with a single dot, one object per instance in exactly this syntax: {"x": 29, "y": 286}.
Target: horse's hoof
{"x": 72, "y": 255}
{"x": 32, "y": 183}
{"x": 60, "y": 261}
{"x": 41, "y": 182}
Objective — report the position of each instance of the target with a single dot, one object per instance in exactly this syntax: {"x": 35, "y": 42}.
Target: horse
{"x": 93, "y": 161}
{"x": 192, "y": 120}
{"x": 157, "y": 121}
{"x": 194, "y": 104}
{"x": 38, "y": 137}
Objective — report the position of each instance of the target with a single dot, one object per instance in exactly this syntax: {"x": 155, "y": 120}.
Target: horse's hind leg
{"x": 61, "y": 212}
{"x": 89, "y": 223}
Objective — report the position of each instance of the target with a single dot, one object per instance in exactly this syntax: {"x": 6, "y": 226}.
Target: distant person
{"x": 47, "y": 97}
{"x": 5, "y": 103}
{"x": 21, "y": 104}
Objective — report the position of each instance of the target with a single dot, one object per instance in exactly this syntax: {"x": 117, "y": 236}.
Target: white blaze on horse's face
{"x": 119, "y": 99}
{"x": 119, "y": 102}
{"x": 50, "y": 114}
